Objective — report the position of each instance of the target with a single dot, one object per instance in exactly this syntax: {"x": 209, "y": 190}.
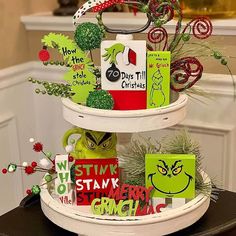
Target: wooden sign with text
{"x": 95, "y": 178}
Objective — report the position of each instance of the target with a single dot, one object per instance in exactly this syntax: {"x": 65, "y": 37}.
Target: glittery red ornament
{"x": 34, "y": 164}
{"x": 29, "y": 170}
{"x": 44, "y": 54}
{"x": 4, "y": 171}
{"x": 71, "y": 159}
{"x": 28, "y": 191}
{"x": 38, "y": 147}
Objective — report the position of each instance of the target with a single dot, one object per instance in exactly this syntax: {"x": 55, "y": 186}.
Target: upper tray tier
{"x": 125, "y": 121}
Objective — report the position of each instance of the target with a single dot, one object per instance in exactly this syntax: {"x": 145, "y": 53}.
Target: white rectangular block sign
{"x": 123, "y": 65}
{"x": 62, "y": 183}
{"x": 61, "y": 163}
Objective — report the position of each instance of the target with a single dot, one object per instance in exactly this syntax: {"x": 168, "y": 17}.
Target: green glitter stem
{"x": 47, "y": 157}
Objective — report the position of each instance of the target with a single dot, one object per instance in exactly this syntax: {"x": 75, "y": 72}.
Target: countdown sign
{"x": 123, "y": 65}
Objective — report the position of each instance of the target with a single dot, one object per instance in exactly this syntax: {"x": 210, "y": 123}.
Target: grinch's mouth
{"x": 171, "y": 193}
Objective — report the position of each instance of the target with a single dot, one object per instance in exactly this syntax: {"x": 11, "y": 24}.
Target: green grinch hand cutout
{"x": 92, "y": 144}
{"x": 112, "y": 52}
{"x": 172, "y": 176}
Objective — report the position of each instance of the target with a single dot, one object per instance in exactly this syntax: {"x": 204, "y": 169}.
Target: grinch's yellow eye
{"x": 90, "y": 144}
{"x": 162, "y": 170}
{"x": 106, "y": 144}
{"x": 177, "y": 170}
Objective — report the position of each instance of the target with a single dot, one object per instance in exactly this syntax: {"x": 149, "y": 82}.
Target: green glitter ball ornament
{"x": 48, "y": 178}
{"x": 88, "y": 36}
{"x": 35, "y": 189}
{"x": 100, "y": 99}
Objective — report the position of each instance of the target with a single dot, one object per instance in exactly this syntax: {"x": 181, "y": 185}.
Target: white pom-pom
{"x": 11, "y": 169}
{"x": 44, "y": 163}
{"x": 31, "y": 140}
{"x": 69, "y": 148}
{"x": 24, "y": 164}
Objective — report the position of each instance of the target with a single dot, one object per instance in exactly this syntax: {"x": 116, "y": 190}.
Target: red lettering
{"x": 159, "y": 207}
{"x": 114, "y": 193}
{"x": 123, "y": 192}
{"x": 141, "y": 212}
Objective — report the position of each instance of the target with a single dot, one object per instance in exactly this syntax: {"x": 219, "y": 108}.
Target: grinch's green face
{"x": 171, "y": 175}
{"x": 157, "y": 78}
{"x": 94, "y": 144}
{"x": 101, "y": 141}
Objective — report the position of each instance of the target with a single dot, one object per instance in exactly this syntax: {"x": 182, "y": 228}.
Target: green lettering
{"x": 62, "y": 165}
{"x": 87, "y": 167}
{"x": 113, "y": 169}
{"x": 61, "y": 189}
{"x": 78, "y": 171}
{"x": 64, "y": 176}
{"x": 103, "y": 170}
{"x": 96, "y": 209}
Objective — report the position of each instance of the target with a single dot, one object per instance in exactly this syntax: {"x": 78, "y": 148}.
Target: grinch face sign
{"x": 92, "y": 144}
{"x": 172, "y": 176}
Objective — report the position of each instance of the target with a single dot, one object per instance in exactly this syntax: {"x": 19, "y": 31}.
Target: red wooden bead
{"x": 34, "y": 164}
{"x": 44, "y": 55}
{"x": 71, "y": 159}
{"x": 4, "y": 171}
{"x": 29, "y": 170}
{"x": 28, "y": 191}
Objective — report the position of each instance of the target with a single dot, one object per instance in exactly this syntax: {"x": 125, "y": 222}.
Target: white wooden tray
{"x": 125, "y": 121}
{"x": 78, "y": 219}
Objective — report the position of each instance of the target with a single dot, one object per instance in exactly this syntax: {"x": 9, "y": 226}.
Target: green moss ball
{"x": 88, "y": 36}
{"x": 100, "y": 99}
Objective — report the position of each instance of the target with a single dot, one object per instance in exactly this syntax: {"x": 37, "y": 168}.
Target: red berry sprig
{"x": 34, "y": 164}
{"x": 71, "y": 159}
{"x": 28, "y": 191}
{"x": 29, "y": 170}
{"x": 38, "y": 147}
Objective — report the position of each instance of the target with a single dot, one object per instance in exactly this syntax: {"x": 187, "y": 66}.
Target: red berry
{"x": 53, "y": 162}
{"x": 4, "y": 171}
{"x": 29, "y": 170}
{"x": 38, "y": 147}
{"x": 34, "y": 164}
{"x": 28, "y": 191}
{"x": 71, "y": 159}
{"x": 44, "y": 55}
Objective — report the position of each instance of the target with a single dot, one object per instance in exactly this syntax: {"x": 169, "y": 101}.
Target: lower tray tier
{"x": 78, "y": 219}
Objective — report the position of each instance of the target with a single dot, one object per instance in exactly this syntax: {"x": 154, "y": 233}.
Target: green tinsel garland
{"x": 88, "y": 36}
{"x": 56, "y": 89}
{"x": 100, "y": 99}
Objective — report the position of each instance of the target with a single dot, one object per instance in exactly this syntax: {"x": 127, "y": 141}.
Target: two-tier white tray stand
{"x": 78, "y": 219}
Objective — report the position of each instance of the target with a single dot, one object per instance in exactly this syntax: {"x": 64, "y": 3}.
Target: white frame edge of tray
{"x": 131, "y": 121}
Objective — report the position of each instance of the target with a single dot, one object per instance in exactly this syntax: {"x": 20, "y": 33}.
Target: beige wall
{"x": 225, "y": 44}
{"x": 19, "y": 46}
{"x": 14, "y": 39}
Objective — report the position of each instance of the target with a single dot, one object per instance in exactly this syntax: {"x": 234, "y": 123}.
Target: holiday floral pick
{"x": 46, "y": 165}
